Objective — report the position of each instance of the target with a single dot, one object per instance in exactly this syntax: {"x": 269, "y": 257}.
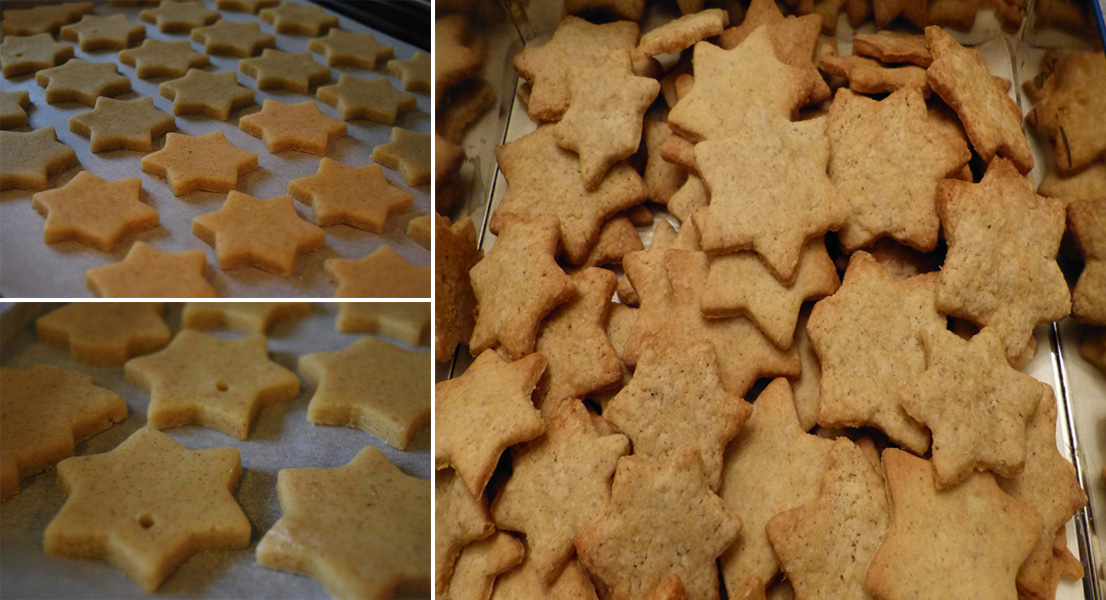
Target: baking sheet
{"x": 30, "y": 268}
{"x": 280, "y": 438}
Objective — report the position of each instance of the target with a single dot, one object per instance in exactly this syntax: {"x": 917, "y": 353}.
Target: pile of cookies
{"x": 744, "y": 418}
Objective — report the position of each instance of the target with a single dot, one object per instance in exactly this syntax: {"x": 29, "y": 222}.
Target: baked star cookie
{"x": 894, "y": 47}
{"x": 248, "y": 317}
{"x": 345, "y": 49}
{"x": 407, "y": 152}
{"x": 207, "y": 162}
{"x": 523, "y": 581}
{"x": 1087, "y": 223}
{"x": 1071, "y": 100}
{"x": 371, "y": 385}
{"x": 46, "y": 410}
{"x": 361, "y": 529}
{"x": 408, "y": 322}
{"x": 455, "y": 58}
{"x": 300, "y": 127}
{"x": 372, "y": 99}
{"x": 31, "y": 158}
{"x": 265, "y": 233}
{"x": 94, "y": 211}
{"x": 95, "y": 32}
{"x": 413, "y": 73}
{"x": 384, "y": 273}
{"x": 12, "y": 109}
{"x": 201, "y": 93}
{"x": 82, "y": 81}
{"x": 229, "y": 38}
{"x": 177, "y": 17}
{"x": 148, "y": 505}
{"x": 480, "y": 563}
{"x": 158, "y": 58}
{"x": 200, "y": 379}
{"x": 682, "y": 33}
{"x": 105, "y": 333}
{"x": 357, "y": 196}
{"x": 27, "y": 54}
{"x": 459, "y": 519}
{"x": 122, "y": 124}
{"x": 299, "y": 19}
{"x": 275, "y": 69}
{"x": 455, "y": 253}
{"x": 869, "y": 76}
{"x": 147, "y": 272}
{"x": 44, "y": 18}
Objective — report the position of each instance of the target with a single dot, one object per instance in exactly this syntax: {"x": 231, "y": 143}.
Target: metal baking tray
{"x": 30, "y": 268}
{"x": 280, "y": 438}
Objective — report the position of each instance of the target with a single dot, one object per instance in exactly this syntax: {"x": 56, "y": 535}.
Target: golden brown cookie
{"x": 105, "y": 333}
{"x": 894, "y": 47}
{"x": 681, "y": 33}
{"x": 454, "y": 301}
{"x": 357, "y": 196}
{"x": 868, "y": 76}
{"x": 297, "y": 18}
{"x": 1087, "y": 223}
{"x": 663, "y": 179}
{"x": 82, "y": 81}
{"x": 886, "y": 11}
{"x": 27, "y": 54}
{"x": 301, "y": 127}
{"x": 617, "y": 238}
{"x": 459, "y": 519}
{"x": 94, "y": 211}
{"x": 95, "y": 32}
{"x": 228, "y": 38}
{"x": 158, "y": 58}
{"x": 211, "y": 94}
{"x": 346, "y": 49}
{"x": 454, "y": 59}
{"x": 147, "y": 272}
{"x": 480, "y": 563}
{"x": 207, "y": 162}
{"x": 275, "y": 69}
{"x": 407, "y": 152}
{"x": 384, "y": 273}
{"x": 31, "y": 158}
{"x": 122, "y": 124}
{"x": 523, "y": 582}
{"x": 248, "y": 317}
{"x": 408, "y": 322}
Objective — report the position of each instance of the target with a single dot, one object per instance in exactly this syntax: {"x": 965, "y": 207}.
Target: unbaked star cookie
{"x": 44, "y": 18}
{"x": 247, "y": 317}
{"x": 345, "y": 49}
{"x": 31, "y": 158}
{"x": 420, "y": 229}
{"x": 158, "y": 58}
{"x": 27, "y": 54}
{"x": 122, "y": 124}
{"x": 207, "y": 162}
{"x": 176, "y": 17}
{"x": 230, "y": 38}
{"x": 413, "y": 73}
{"x": 357, "y": 196}
{"x": 245, "y": 6}
{"x": 297, "y": 18}
{"x": 384, "y": 273}
{"x": 300, "y": 127}
{"x": 372, "y": 99}
{"x": 276, "y": 69}
{"x": 94, "y": 211}
{"x": 361, "y": 529}
{"x": 211, "y": 94}
{"x": 147, "y": 272}
{"x": 96, "y": 32}
{"x": 81, "y": 81}
{"x": 12, "y": 109}
{"x": 407, "y": 152}
{"x": 408, "y": 322}
{"x": 265, "y": 233}
{"x": 105, "y": 333}
{"x": 200, "y": 379}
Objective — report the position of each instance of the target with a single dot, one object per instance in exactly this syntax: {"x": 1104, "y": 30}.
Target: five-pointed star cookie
{"x": 455, "y": 254}
{"x": 200, "y": 379}
{"x": 147, "y": 272}
{"x": 229, "y": 38}
{"x": 276, "y": 69}
{"x": 558, "y": 483}
{"x": 459, "y": 519}
{"x": 1087, "y": 223}
{"x": 19, "y": 54}
{"x": 887, "y": 158}
{"x": 300, "y": 127}
{"x": 247, "y": 317}
{"x": 371, "y": 385}
{"x": 408, "y": 322}
{"x": 991, "y": 118}
{"x": 483, "y": 412}
{"x": 964, "y": 542}
{"x": 105, "y": 333}
{"x": 1002, "y": 216}
{"x": 413, "y": 73}
{"x": 45, "y": 411}
{"x": 384, "y": 273}
{"x": 769, "y": 190}
{"x": 372, "y": 99}
{"x": 345, "y": 49}
{"x": 175, "y": 17}
{"x": 1072, "y": 94}
{"x": 44, "y": 18}
{"x": 359, "y": 529}
{"x": 95, "y": 32}
{"x": 688, "y": 524}
{"x": 31, "y": 158}
{"x": 202, "y": 93}
{"x": 407, "y": 152}
{"x": 207, "y": 162}
{"x": 544, "y": 179}
{"x": 82, "y": 81}
{"x": 169, "y": 502}
{"x": 13, "y": 109}
{"x": 297, "y": 18}
{"x": 357, "y": 196}
{"x": 265, "y": 233}
{"x": 94, "y": 211}
{"x": 158, "y": 58}
{"x": 976, "y": 405}
{"x": 122, "y": 124}
{"x": 523, "y": 258}
{"x": 772, "y": 466}
{"x": 480, "y": 563}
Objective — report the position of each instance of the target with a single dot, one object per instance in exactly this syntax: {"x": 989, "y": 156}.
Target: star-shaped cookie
{"x": 384, "y": 273}
{"x": 413, "y": 73}
{"x": 147, "y": 272}
{"x": 886, "y": 11}
{"x": 297, "y": 18}
{"x": 201, "y": 93}
{"x": 200, "y": 379}
{"x": 455, "y": 60}
{"x": 1070, "y": 93}
{"x": 524, "y": 582}
{"x": 869, "y": 76}
{"x": 1087, "y": 223}
{"x": 357, "y": 196}
{"x": 105, "y": 333}
{"x": 176, "y": 17}
{"x": 31, "y": 158}
{"x": 122, "y": 124}
{"x": 207, "y": 162}
{"x": 169, "y": 502}
{"x": 265, "y": 233}
{"x": 27, "y": 54}
{"x": 301, "y": 127}
{"x": 459, "y": 519}
{"x": 12, "y": 109}
{"x": 647, "y": 278}
{"x": 689, "y": 527}
{"x": 44, "y": 18}
{"x": 480, "y": 563}
{"x": 158, "y": 58}
{"x": 523, "y": 258}
{"x": 372, "y": 99}
{"x": 455, "y": 253}
{"x": 558, "y": 483}
{"x": 95, "y": 32}
{"x": 1002, "y": 216}
{"x": 45, "y": 411}
{"x": 245, "y": 6}
{"x": 346, "y": 49}
{"x": 371, "y": 385}
{"x": 408, "y": 322}
{"x": 230, "y": 38}
{"x": 247, "y": 317}
{"x": 82, "y": 81}
{"x": 276, "y": 69}
{"x": 407, "y": 152}
{"x": 483, "y": 412}
{"x": 419, "y": 229}
{"x": 94, "y": 211}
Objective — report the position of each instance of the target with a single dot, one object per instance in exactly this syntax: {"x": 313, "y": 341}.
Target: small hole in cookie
{"x": 221, "y": 386}
{"x": 145, "y": 520}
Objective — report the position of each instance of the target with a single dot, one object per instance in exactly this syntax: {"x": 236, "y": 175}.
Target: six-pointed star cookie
{"x": 247, "y": 317}
{"x": 175, "y": 17}
{"x": 361, "y": 530}
{"x": 31, "y": 158}
{"x": 455, "y": 253}
{"x": 1002, "y": 216}
{"x": 371, "y": 385}
{"x": 886, "y": 11}
{"x": 1072, "y": 92}
{"x": 45, "y": 411}
{"x": 202, "y": 93}
{"x": 122, "y": 124}
{"x": 408, "y": 322}
{"x": 1087, "y": 223}
{"x": 105, "y": 333}
{"x": 158, "y": 58}
{"x": 483, "y": 412}
{"x": 384, "y": 273}
{"x": 688, "y": 524}
{"x": 372, "y": 99}
{"x": 299, "y": 19}
{"x": 454, "y": 58}
{"x": 94, "y": 211}
{"x": 229, "y": 38}
{"x": 480, "y": 563}
{"x": 167, "y": 502}
{"x": 345, "y": 49}
{"x": 95, "y": 32}
{"x": 356, "y": 196}
{"x": 413, "y": 73}
{"x": 207, "y": 162}
{"x": 246, "y": 6}
{"x": 523, "y": 581}
{"x": 44, "y": 18}
{"x": 292, "y": 127}
{"x": 20, "y": 55}
{"x": 82, "y": 81}
{"x": 276, "y": 69}
{"x": 459, "y": 519}
{"x": 407, "y": 152}
{"x": 200, "y": 379}
{"x": 13, "y": 109}
{"x": 265, "y": 233}
{"x": 147, "y": 272}
{"x": 558, "y": 483}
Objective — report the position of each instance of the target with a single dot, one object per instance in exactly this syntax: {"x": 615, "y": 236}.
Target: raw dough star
{"x": 27, "y": 54}
{"x": 292, "y": 127}
{"x": 12, "y": 105}
{"x": 299, "y": 19}
{"x": 372, "y": 99}
{"x": 44, "y": 18}
{"x": 207, "y": 162}
{"x": 122, "y": 124}
{"x": 147, "y": 272}
{"x": 229, "y": 38}
{"x": 105, "y": 333}
{"x": 174, "y": 17}
{"x": 407, "y": 152}
{"x": 413, "y": 73}
{"x": 94, "y": 211}
{"x": 82, "y": 82}
{"x": 158, "y": 58}
{"x": 384, "y": 273}
{"x": 94, "y": 32}
{"x": 275, "y": 69}
{"x": 30, "y": 158}
{"x": 345, "y": 49}
{"x": 247, "y": 317}
{"x": 356, "y": 196}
